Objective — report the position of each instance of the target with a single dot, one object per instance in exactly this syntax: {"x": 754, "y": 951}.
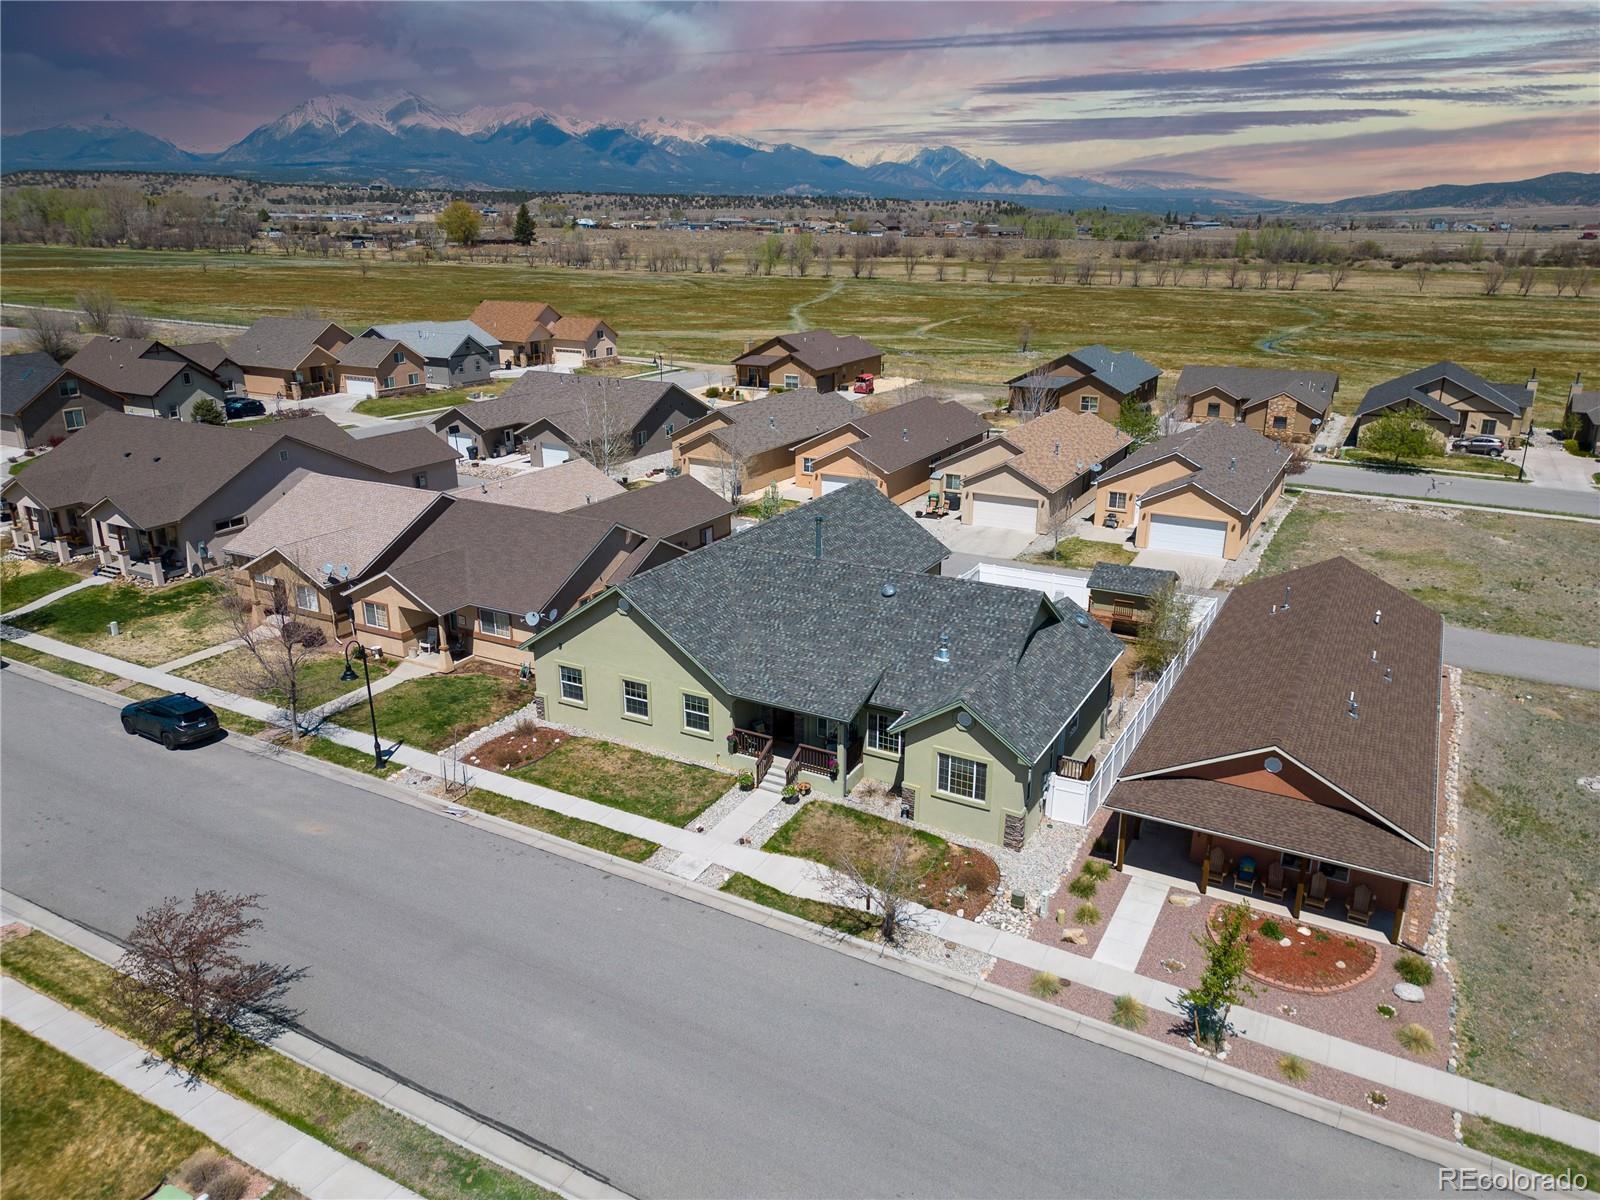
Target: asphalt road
{"x": 1457, "y": 488}
{"x": 1522, "y": 658}
{"x": 674, "y": 1049}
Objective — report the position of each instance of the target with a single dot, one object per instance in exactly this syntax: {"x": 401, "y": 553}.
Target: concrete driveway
{"x": 980, "y": 540}
{"x": 1194, "y": 570}
{"x": 1549, "y": 465}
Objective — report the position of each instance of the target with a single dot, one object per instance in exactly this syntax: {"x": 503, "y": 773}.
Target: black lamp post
{"x": 349, "y": 676}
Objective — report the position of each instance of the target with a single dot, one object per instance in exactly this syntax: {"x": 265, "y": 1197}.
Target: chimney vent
{"x": 1388, "y": 674}
{"x": 1377, "y": 617}
{"x": 1233, "y": 464}
{"x": 819, "y": 519}
{"x": 1286, "y": 590}
{"x": 1374, "y": 654}
{"x": 905, "y": 435}
{"x": 942, "y": 653}
{"x": 1354, "y": 710}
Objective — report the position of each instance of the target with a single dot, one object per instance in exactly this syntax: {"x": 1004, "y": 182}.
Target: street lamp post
{"x": 349, "y": 676}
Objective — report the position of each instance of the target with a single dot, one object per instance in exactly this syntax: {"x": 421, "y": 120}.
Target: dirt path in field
{"x": 795, "y": 317}
{"x": 1272, "y": 342}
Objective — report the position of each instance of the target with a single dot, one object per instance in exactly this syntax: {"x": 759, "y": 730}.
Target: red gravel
{"x": 1106, "y": 898}
{"x": 1310, "y": 963}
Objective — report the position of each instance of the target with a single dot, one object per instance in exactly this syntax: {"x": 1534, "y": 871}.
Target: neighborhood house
{"x": 1093, "y": 379}
{"x": 455, "y": 353}
{"x": 816, "y": 359}
{"x": 742, "y": 448}
{"x": 1290, "y": 405}
{"x": 288, "y": 358}
{"x": 895, "y": 449}
{"x": 379, "y": 367}
{"x": 522, "y": 327}
{"x": 1453, "y": 402}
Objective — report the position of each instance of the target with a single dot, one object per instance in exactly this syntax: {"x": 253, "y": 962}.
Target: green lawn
{"x": 29, "y": 585}
{"x": 397, "y": 406}
{"x": 158, "y": 624}
{"x": 828, "y": 833}
{"x": 439, "y": 710}
{"x": 1544, "y": 1155}
{"x": 1375, "y": 328}
{"x": 753, "y": 509}
{"x": 1082, "y": 553}
{"x": 622, "y": 777}
{"x": 1474, "y": 464}
{"x": 58, "y": 666}
{"x": 853, "y": 921}
{"x": 70, "y": 1131}
{"x": 1503, "y": 572}
{"x": 319, "y": 681}
{"x": 571, "y": 829}
{"x": 361, "y": 1128}
{"x": 19, "y": 465}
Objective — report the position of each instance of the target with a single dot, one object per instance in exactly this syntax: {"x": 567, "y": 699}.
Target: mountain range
{"x": 407, "y": 140}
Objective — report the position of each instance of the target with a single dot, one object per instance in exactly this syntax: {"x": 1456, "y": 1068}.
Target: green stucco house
{"x": 822, "y": 643}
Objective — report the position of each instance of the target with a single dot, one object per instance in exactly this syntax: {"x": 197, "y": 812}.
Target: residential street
{"x": 675, "y": 1050}
{"x": 1456, "y": 488}
{"x": 1522, "y": 658}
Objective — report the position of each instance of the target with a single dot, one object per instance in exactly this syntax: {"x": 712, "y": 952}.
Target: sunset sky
{"x": 1301, "y": 101}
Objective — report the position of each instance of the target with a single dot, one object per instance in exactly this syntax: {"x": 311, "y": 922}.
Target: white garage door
{"x": 1188, "y": 535}
{"x": 465, "y": 444}
{"x": 713, "y": 476}
{"x": 568, "y": 356}
{"x": 551, "y": 456}
{"x": 1005, "y": 512}
{"x": 358, "y": 385}
{"x": 832, "y": 483}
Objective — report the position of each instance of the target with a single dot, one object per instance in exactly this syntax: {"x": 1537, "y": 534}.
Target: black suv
{"x": 244, "y": 408}
{"x": 171, "y": 720}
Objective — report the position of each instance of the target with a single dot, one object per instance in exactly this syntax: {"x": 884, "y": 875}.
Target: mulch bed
{"x": 516, "y": 748}
{"x": 965, "y": 883}
{"x": 1320, "y": 961}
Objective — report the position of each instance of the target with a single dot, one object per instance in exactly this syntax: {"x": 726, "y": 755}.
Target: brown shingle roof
{"x": 279, "y": 343}
{"x": 821, "y": 349}
{"x": 514, "y": 320}
{"x": 119, "y": 365}
{"x": 924, "y": 428}
{"x": 329, "y": 519}
{"x": 781, "y": 419}
{"x": 1314, "y": 389}
{"x": 551, "y": 489}
{"x": 1057, "y": 447}
{"x": 1263, "y": 679}
{"x": 544, "y": 395}
{"x": 662, "y": 510}
{"x": 210, "y": 355}
{"x": 370, "y": 353}
{"x": 1230, "y": 462}
{"x": 575, "y": 329}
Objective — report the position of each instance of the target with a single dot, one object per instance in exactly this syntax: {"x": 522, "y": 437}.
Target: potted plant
{"x": 791, "y": 794}
{"x": 803, "y": 788}
{"x": 733, "y": 743}
{"x": 747, "y": 781}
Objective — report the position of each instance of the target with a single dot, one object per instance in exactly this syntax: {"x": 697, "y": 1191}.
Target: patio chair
{"x": 1359, "y": 909}
{"x": 1272, "y": 886}
{"x": 1244, "y": 879}
{"x": 1218, "y": 863}
{"x": 1317, "y": 892}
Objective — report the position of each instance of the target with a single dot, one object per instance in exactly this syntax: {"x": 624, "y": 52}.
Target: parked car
{"x": 244, "y": 407}
{"x": 1482, "y": 444}
{"x": 863, "y": 384}
{"x": 174, "y": 721}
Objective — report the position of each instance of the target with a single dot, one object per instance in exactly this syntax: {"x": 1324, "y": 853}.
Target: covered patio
{"x": 769, "y": 735}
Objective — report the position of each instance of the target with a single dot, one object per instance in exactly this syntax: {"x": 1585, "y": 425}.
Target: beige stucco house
{"x": 1289, "y": 405}
{"x": 288, "y": 358}
{"x": 742, "y": 448}
{"x": 1093, "y": 379}
{"x": 1454, "y": 402}
{"x": 815, "y": 359}
{"x": 894, "y": 449}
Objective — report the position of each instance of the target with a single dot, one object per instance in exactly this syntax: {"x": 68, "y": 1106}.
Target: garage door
{"x": 464, "y": 444}
{"x": 713, "y": 476}
{"x": 358, "y": 385}
{"x": 1005, "y": 512}
{"x": 551, "y": 456}
{"x": 569, "y": 357}
{"x": 1188, "y": 535}
{"x": 832, "y": 483}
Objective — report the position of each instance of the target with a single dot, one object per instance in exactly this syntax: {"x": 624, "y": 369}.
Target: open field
{"x": 955, "y": 330}
{"x": 1528, "y": 902}
{"x": 1497, "y": 571}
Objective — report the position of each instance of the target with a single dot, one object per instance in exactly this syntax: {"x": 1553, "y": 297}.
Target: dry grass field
{"x": 968, "y": 331}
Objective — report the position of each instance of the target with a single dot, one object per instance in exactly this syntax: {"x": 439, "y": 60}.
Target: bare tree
{"x": 607, "y": 433}
{"x": 1525, "y": 280}
{"x": 994, "y": 253}
{"x": 132, "y": 324}
{"x": 1167, "y": 623}
{"x": 1494, "y": 278}
{"x": 99, "y": 308}
{"x": 1580, "y": 282}
{"x": 1236, "y": 274}
{"x": 275, "y": 652}
{"x": 1086, "y": 269}
{"x": 1338, "y": 272}
{"x": 1419, "y": 274}
{"x": 185, "y": 989}
{"x": 882, "y": 881}
{"x": 908, "y": 258}
{"x": 730, "y": 471}
{"x": 1024, "y": 337}
{"x": 47, "y": 332}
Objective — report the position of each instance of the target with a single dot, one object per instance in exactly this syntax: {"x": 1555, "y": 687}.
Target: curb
{"x": 1421, "y": 1145}
{"x": 1324, "y": 490}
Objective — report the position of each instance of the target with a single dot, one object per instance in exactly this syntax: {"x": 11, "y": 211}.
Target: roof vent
{"x": 1388, "y": 674}
{"x": 942, "y": 653}
{"x": 905, "y": 434}
{"x": 1374, "y": 654}
{"x": 1058, "y": 449}
{"x": 772, "y": 421}
{"x": 1354, "y": 709}
{"x": 1286, "y": 590}
{"x": 1377, "y": 617}
{"x": 887, "y": 590}
{"x": 1083, "y": 621}
{"x": 1233, "y": 464}
{"x": 819, "y": 519}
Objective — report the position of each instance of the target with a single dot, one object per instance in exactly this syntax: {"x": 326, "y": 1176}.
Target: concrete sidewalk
{"x": 250, "y": 1135}
{"x": 800, "y": 877}
{"x": 51, "y": 598}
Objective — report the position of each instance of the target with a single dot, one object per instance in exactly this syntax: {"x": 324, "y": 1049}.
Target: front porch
{"x": 800, "y": 742}
{"x": 154, "y": 556}
{"x": 1312, "y": 892}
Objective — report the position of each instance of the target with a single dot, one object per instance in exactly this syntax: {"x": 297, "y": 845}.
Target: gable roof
{"x": 328, "y": 519}
{"x": 1056, "y": 447}
{"x": 547, "y": 396}
{"x": 575, "y": 329}
{"x": 23, "y": 377}
{"x": 1410, "y": 385}
{"x": 919, "y": 429}
{"x": 860, "y": 525}
{"x": 157, "y": 472}
{"x": 119, "y": 365}
{"x": 815, "y": 349}
{"x": 279, "y": 343}
{"x": 661, "y": 510}
{"x": 779, "y": 419}
{"x": 514, "y": 320}
{"x": 210, "y": 355}
{"x": 1313, "y": 389}
{"x": 1120, "y": 370}
{"x": 434, "y": 339}
{"x": 1229, "y": 462}
{"x": 1283, "y": 680}
{"x": 369, "y": 353}
{"x": 570, "y": 485}
{"x": 1124, "y": 580}
{"x": 1586, "y": 404}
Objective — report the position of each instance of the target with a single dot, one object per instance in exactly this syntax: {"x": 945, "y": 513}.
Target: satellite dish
{"x": 623, "y": 606}
{"x": 530, "y": 619}
{"x": 553, "y": 614}
{"x": 327, "y": 568}
{"x": 964, "y": 719}
{"x": 344, "y": 571}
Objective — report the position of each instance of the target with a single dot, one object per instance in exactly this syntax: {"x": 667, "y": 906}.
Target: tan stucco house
{"x": 815, "y": 359}
{"x": 1289, "y": 405}
{"x": 1093, "y": 379}
{"x": 1454, "y": 402}
{"x": 288, "y": 358}
{"x": 894, "y": 449}
{"x": 961, "y": 695}
{"x": 740, "y": 449}
{"x": 576, "y": 341}
{"x": 1202, "y": 491}
{"x": 522, "y": 327}
{"x": 1033, "y": 476}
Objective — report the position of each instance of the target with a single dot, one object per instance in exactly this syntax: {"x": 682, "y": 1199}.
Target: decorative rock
{"x": 1302, "y": 931}
{"x": 1286, "y": 941}
{"x": 1409, "y": 992}
{"x": 1179, "y": 900}
{"x": 1339, "y": 963}
{"x": 1076, "y": 936}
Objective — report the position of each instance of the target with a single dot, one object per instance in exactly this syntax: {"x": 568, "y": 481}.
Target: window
{"x": 808, "y": 465}
{"x": 572, "y": 685}
{"x": 669, "y": 428}
{"x": 706, "y": 535}
{"x": 305, "y": 598}
{"x": 265, "y": 580}
{"x": 963, "y": 777}
{"x": 696, "y": 713}
{"x": 72, "y": 418}
{"x": 952, "y": 483}
{"x": 453, "y": 428}
{"x": 388, "y": 382}
{"x": 412, "y": 380}
{"x": 1335, "y": 872}
{"x": 495, "y": 624}
{"x": 420, "y": 479}
{"x": 1117, "y": 500}
{"x": 186, "y": 379}
{"x": 640, "y": 437}
{"x": 399, "y": 357}
{"x": 1280, "y": 422}
{"x": 69, "y": 386}
{"x": 1213, "y": 409}
{"x": 1089, "y": 404}
{"x": 878, "y": 735}
{"x": 283, "y": 456}
{"x": 589, "y": 353}
{"x": 373, "y": 615}
{"x": 636, "y": 700}
{"x": 791, "y": 381}
{"x": 1489, "y": 426}
{"x": 230, "y": 523}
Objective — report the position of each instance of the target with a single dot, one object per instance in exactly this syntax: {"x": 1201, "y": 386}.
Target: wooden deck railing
{"x": 757, "y": 746}
{"x": 1075, "y": 768}
{"x": 816, "y": 759}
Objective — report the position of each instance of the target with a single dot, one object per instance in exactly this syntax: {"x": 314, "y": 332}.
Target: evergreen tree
{"x": 522, "y": 229}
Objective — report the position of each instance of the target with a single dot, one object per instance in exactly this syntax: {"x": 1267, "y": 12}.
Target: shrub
{"x": 1087, "y": 914}
{"x": 746, "y": 780}
{"x": 1414, "y": 1038}
{"x": 231, "y": 1186}
{"x": 1271, "y": 929}
{"x": 1377, "y": 1099}
{"x": 1319, "y": 935}
{"x": 1413, "y": 969}
{"x": 1386, "y": 1011}
{"x": 1294, "y": 1068}
{"x": 1571, "y": 446}
{"x": 1044, "y": 985}
{"x": 713, "y": 392}
{"x": 1083, "y": 886}
{"x": 1095, "y": 869}
{"x": 202, "y": 1169}
{"x": 1128, "y": 1013}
